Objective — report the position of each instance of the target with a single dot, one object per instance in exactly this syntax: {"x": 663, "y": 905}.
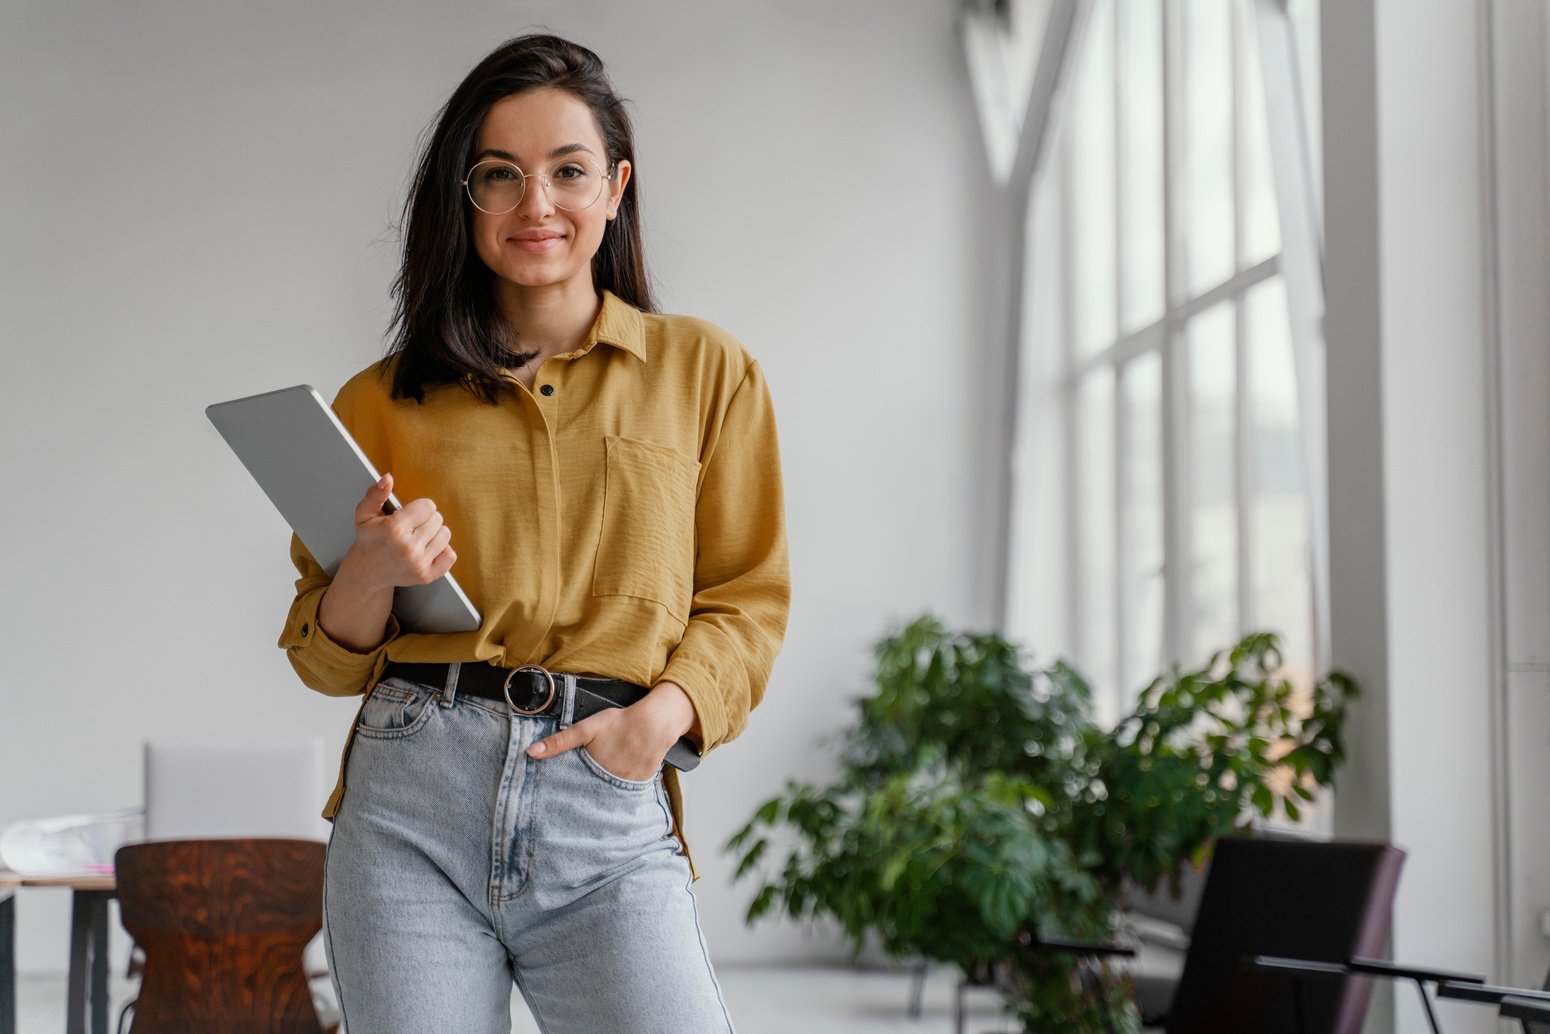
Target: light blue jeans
{"x": 457, "y": 865}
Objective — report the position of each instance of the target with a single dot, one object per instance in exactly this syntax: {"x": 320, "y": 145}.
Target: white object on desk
{"x": 65, "y": 844}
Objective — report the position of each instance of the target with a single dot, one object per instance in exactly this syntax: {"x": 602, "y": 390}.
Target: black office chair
{"x": 1534, "y": 1014}
{"x": 1317, "y": 900}
{"x": 1529, "y": 1007}
{"x": 1536, "y": 1021}
{"x": 1324, "y": 901}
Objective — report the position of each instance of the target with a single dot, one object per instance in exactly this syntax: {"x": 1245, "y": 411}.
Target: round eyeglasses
{"x": 572, "y": 184}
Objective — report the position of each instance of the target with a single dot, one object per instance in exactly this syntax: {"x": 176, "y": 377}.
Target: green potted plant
{"x": 978, "y": 802}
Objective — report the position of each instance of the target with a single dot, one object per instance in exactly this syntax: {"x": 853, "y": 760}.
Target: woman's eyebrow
{"x": 558, "y": 152}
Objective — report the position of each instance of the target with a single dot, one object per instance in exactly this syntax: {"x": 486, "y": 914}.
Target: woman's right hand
{"x": 406, "y": 547}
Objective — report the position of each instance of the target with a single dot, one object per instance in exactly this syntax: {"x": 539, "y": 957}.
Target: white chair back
{"x": 196, "y": 789}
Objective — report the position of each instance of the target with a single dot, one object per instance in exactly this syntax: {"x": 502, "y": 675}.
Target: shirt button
{"x": 304, "y": 630}
{"x": 547, "y": 389}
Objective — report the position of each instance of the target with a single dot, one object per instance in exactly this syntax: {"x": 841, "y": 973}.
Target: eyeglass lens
{"x": 497, "y": 187}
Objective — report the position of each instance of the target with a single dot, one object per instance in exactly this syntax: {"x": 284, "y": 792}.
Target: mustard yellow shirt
{"x": 628, "y": 524}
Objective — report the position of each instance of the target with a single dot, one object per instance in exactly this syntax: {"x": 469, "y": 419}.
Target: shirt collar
{"x": 619, "y": 324}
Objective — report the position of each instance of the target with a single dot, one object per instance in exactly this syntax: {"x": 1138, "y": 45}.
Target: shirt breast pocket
{"x": 646, "y": 547}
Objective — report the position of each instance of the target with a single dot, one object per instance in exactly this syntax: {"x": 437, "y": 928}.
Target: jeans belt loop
{"x": 568, "y": 700}
{"x": 449, "y": 691}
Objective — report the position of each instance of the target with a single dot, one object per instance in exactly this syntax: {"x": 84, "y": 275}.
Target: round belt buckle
{"x": 506, "y": 689}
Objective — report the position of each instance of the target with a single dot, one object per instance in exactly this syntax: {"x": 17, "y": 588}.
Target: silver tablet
{"x": 315, "y": 474}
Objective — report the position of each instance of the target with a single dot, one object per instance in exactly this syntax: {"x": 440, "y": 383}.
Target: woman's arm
{"x": 338, "y": 629}
{"x": 355, "y": 611}
{"x": 322, "y": 664}
{"x": 407, "y": 547}
{"x": 742, "y": 576}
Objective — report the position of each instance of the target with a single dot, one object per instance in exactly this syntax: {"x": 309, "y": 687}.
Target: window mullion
{"x": 1302, "y": 264}
{"x": 1075, "y": 526}
{"x": 1122, "y": 419}
{"x": 1176, "y": 560}
{"x": 1243, "y": 485}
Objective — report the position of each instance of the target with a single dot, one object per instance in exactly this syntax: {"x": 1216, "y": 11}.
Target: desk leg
{"x": 88, "y": 947}
{"x": 87, "y": 993}
{"x": 8, "y": 963}
{"x": 99, "y": 960}
{"x": 80, "y": 946}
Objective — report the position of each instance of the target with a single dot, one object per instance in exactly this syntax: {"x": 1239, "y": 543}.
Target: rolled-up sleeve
{"x": 322, "y": 663}
{"x": 742, "y": 579}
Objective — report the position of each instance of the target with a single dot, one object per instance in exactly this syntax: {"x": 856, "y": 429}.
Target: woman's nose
{"x": 535, "y": 203}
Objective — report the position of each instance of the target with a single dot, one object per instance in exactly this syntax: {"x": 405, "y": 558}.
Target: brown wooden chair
{"x": 223, "y": 924}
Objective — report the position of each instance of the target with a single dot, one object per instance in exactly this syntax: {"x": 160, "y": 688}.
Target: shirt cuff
{"x": 709, "y": 708}
{"x": 324, "y": 663}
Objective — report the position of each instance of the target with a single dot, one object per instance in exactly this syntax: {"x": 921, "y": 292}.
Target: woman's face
{"x": 538, "y": 244}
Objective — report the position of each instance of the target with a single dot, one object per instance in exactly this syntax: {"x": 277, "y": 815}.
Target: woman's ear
{"x": 616, "y": 189}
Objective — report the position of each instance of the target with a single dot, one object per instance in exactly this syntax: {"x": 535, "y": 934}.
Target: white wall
{"x": 1413, "y": 507}
{"x": 1521, "y": 150}
{"x": 199, "y": 203}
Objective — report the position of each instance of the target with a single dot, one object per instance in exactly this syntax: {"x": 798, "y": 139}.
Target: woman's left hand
{"x": 629, "y": 742}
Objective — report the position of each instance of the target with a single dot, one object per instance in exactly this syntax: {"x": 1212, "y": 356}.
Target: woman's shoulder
{"x": 677, "y": 337}
{"x": 369, "y": 390}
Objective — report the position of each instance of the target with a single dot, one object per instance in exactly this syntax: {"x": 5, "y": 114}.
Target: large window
{"x": 1159, "y": 296}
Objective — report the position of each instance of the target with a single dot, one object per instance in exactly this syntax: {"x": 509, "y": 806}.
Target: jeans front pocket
{"x": 591, "y": 827}
{"x": 646, "y": 546}
{"x": 395, "y": 709}
{"x": 633, "y": 785}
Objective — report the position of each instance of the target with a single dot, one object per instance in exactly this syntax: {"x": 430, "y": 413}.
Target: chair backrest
{"x": 223, "y": 924}
{"x": 257, "y": 786}
{"x": 1158, "y": 903}
{"x": 1325, "y": 901}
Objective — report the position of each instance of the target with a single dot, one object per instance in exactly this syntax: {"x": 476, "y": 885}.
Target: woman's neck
{"x": 551, "y": 319}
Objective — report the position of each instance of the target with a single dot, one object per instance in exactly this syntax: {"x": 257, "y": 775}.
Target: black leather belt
{"x": 537, "y": 692}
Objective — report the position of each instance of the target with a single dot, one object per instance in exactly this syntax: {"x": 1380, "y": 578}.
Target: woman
{"x": 612, "y": 480}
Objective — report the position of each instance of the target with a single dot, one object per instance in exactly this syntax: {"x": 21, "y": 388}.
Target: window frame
{"x": 1266, "y": 25}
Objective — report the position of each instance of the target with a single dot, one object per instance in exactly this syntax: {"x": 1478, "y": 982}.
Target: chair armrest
{"x": 1033, "y": 942}
{"x": 1384, "y": 968}
{"x": 1375, "y": 968}
{"x": 1333, "y": 969}
{"x": 1086, "y": 948}
{"x": 1489, "y": 994}
{"x": 1527, "y": 1009}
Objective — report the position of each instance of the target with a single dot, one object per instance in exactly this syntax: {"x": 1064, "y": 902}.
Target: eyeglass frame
{"x": 543, "y": 179}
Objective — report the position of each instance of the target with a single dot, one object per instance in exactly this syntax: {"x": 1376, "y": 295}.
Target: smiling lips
{"x": 537, "y": 240}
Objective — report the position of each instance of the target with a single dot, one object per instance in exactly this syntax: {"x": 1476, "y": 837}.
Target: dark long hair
{"x": 446, "y": 323}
